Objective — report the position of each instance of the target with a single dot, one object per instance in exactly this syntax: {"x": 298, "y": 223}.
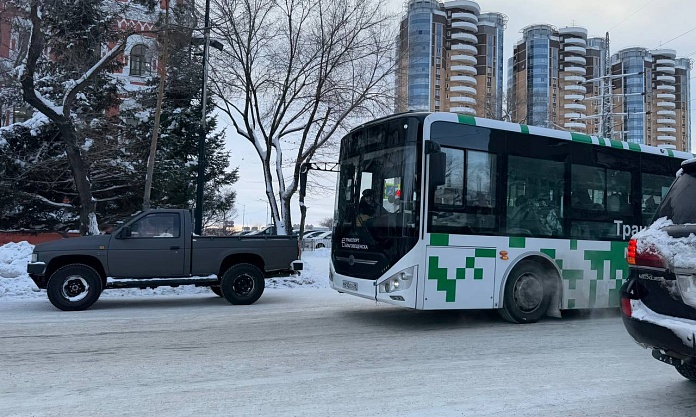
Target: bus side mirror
{"x": 438, "y": 163}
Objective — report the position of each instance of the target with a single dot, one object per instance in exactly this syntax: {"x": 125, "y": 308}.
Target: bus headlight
{"x": 687, "y": 288}
{"x": 399, "y": 281}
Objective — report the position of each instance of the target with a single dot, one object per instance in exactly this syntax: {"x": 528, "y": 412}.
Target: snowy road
{"x": 312, "y": 352}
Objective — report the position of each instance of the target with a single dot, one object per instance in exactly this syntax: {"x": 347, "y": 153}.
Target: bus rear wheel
{"x": 527, "y": 295}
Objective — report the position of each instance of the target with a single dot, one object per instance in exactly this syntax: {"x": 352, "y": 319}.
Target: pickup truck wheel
{"x": 687, "y": 371}
{"x": 216, "y": 289}
{"x": 242, "y": 284}
{"x": 74, "y": 287}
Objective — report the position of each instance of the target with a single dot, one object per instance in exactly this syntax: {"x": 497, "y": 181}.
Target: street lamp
{"x": 267, "y": 204}
{"x": 198, "y": 213}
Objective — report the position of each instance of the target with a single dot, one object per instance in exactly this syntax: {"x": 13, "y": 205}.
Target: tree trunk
{"x": 158, "y": 113}
{"x": 88, "y": 219}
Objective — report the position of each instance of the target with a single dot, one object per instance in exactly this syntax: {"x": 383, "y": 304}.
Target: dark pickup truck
{"x": 158, "y": 248}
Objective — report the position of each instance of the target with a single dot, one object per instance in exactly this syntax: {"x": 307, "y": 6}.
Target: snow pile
{"x": 14, "y": 280}
{"x": 679, "y": 252}
{"x": 16, "y": 284}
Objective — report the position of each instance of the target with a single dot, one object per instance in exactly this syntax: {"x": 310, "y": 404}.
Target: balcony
{"x": 575, "y": 60}
{"x": 666, "y": 130}
{"x": 575, "y": 106}
{"x": 575, "y": 41}
{"x": 465, "y": 110}
{"x": 666, "y": 113}
{"x": 575, "y": 88}
{"x": 463, "y": 100}
{"x": 471, "y": 27}
{"x": 464, "y": 58}
{"x": 464, "y": 68}
{"x": 465, "y": 16}
{"x": 665, "y": 87}
{"x": 573, "y": 97}
{"x": 576, "y": 70}
{"x": 573, "y": 115}
{"x": 666, "y": 96}
{"x": 667, "y": 138}
{"x": 666, "y": 104}
{"x": 575, "y": 126}
{"x": 666, "y": 70}
{"x": 575, "y": 50}
{"x": 465, "y": 48}
{"x": 666, "y": 121}
{"x": 465, "y": 37}
{"x": 463, "y": 89}
{"x": 574, "y": 79}
{"x": 664, "y": 53}
{"x": 666, "y": 79}
{"x": 669, "y": 62}
{"x": 666, "y": 146}
{"x": 464, "y": 79}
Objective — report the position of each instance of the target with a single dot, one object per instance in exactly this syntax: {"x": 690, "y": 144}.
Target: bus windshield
{"x": 378, "y": 198}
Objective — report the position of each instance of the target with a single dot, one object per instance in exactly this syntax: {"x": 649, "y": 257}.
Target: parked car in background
{"x": 658, "y": 302}
{"x": 318, "y": 241}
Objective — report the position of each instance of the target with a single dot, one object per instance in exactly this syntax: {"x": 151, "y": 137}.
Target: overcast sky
{"x": 646, "y": 23}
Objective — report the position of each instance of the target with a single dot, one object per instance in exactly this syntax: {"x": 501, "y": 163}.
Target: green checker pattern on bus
{"x": 596, "y": 284}
{"x": 606, "y": 268}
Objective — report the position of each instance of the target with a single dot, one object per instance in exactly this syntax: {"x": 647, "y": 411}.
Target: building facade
{"x": 450, "y": 58}
{"x": 139, "y": 58}
{"x": 651, "y": 97}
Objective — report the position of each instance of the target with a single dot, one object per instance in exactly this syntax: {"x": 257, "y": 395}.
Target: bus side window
{"x": 654, "y": 189}
{"x": 535, "y": 197}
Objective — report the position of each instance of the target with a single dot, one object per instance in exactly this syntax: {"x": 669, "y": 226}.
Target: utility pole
{"x": 607, "y": 129}
{"x": 198, "y": 213}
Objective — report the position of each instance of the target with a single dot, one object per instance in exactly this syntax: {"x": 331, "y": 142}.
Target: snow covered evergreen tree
{"x": 175, "y": 172}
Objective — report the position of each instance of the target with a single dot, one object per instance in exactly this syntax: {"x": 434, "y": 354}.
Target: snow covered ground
{"x": 15, "y": 284}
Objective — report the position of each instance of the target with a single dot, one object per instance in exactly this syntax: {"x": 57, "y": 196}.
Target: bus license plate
{"x": 350, "y": 285}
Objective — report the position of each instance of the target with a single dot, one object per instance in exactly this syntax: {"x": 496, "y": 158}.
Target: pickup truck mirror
{"x": 125, "y": 232}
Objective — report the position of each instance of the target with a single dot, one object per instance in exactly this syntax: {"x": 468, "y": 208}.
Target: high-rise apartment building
{"x": 554, "y": 78}
{"x": 450, "y": 58}
{"x": 651, "y": 97}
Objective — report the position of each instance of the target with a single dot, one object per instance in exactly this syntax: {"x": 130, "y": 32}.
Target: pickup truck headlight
{"x": 34, "y": 257}
{"x": 687, "y": 288}
{"x": 399, "y": 281}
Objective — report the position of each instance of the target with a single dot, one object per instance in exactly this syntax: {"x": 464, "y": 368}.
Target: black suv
{"x": 658, "y": 302}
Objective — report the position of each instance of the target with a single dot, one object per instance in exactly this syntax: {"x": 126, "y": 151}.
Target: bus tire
{"x": 528, "y": 292}
{"x": 242, "y": 284}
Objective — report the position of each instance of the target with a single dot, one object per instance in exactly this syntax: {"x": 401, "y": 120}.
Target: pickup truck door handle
{"x": 174, "y": 248}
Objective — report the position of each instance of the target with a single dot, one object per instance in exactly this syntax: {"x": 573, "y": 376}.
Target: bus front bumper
{"x": 404, "y": 295}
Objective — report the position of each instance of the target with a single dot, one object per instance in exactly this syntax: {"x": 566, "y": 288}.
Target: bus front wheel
{"x": 528, "y": 292}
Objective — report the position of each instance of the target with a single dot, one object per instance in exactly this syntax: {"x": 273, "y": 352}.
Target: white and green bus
{"x": 445, "y": 211}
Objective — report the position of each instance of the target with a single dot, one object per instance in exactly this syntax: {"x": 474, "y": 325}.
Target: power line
{"x": 632, "y": 14}
{"x": 677, "y": 37}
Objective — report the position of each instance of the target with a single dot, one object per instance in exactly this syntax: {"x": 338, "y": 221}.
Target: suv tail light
{"x": 647, "y": 256}
{"x": 626, "y": 307}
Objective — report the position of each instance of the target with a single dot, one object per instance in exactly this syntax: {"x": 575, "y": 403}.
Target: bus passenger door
{"x": 458, "y": 277}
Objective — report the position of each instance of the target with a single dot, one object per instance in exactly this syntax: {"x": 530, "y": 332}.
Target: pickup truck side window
{"x": 157, "y": 225}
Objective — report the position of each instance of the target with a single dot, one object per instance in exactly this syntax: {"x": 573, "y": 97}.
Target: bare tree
{"x": 296, "y": 73}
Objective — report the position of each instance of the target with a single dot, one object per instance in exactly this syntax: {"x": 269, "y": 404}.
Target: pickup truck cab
{"x": 158, "y": 248}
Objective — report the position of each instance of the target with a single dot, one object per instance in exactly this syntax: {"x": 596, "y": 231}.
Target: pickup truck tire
{"x": 216, "y": 289}
{"x": 74, "y": 287}
{"x": 242, "y": 284}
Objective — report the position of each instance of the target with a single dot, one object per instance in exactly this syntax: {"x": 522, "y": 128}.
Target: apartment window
{"x": 139, "y": 65}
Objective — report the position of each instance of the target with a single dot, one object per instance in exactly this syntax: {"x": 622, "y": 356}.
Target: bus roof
{"x": 536, "y": 130}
